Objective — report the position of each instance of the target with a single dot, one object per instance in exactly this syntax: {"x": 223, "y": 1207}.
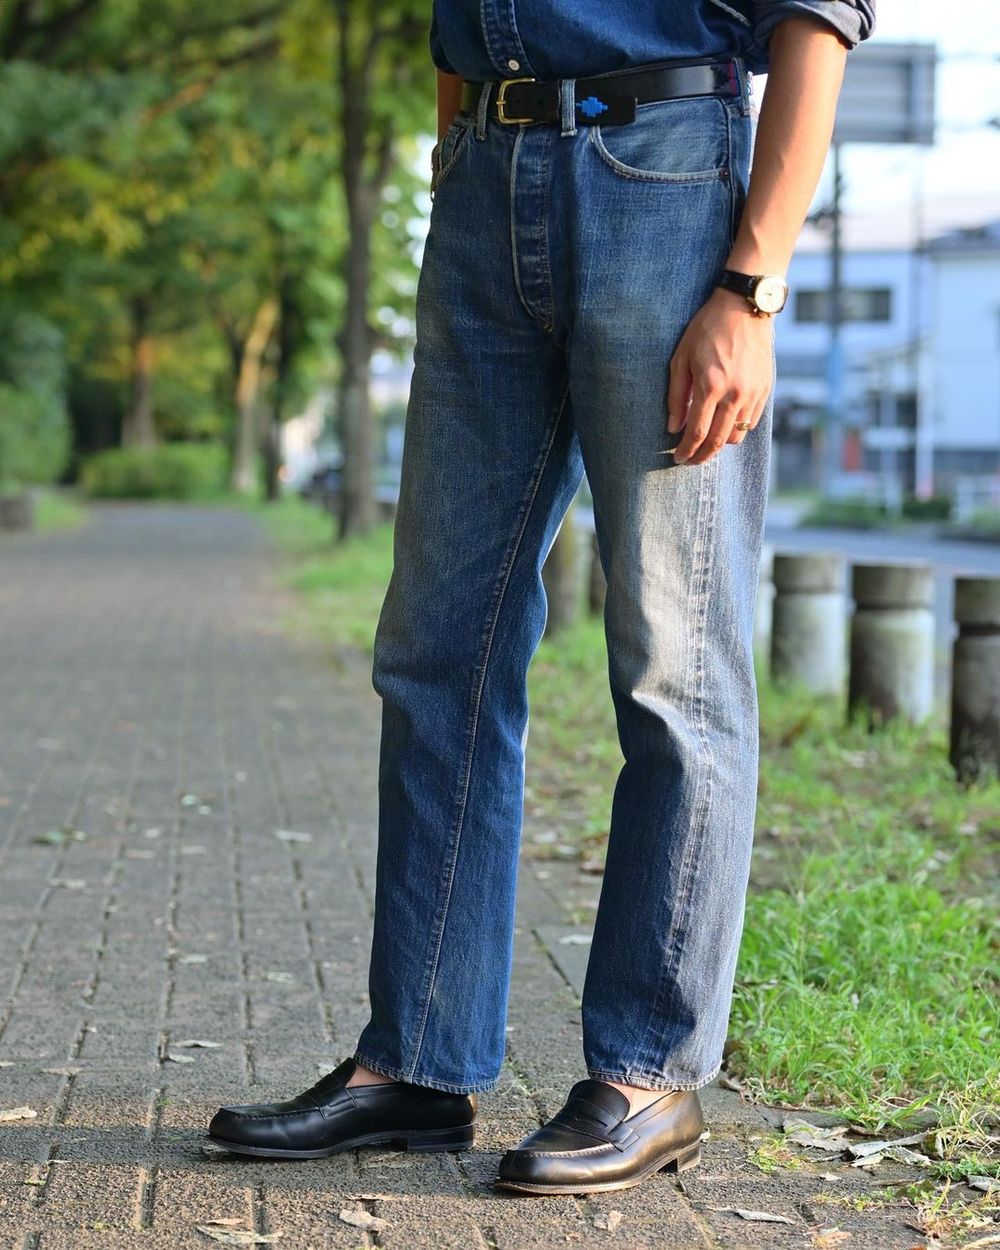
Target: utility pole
{"x": 833, "y": 455}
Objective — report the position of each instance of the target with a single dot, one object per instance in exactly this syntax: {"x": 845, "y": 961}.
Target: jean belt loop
{"x": 567, "y": 105}
{"x": 746, "y": 87}
{"x": 482, "y": 109}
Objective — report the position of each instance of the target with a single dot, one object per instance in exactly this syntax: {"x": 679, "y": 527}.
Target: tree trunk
{"x": 138, "y": 428}
{"x": 367, "y": 163}
{"x": 248, "y": 386}
{"x": 561, "y": 577}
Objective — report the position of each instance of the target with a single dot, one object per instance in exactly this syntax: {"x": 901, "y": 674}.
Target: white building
{"x": 921, "y": 339}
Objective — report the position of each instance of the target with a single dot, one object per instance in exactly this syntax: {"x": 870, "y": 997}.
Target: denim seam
{"x": 704, "y": 547}
{"x": 547, "y": 308}
{"x": 486, "y": 642}
{"x": 399, "y": 1074}
{"x": 657, "y": 1081}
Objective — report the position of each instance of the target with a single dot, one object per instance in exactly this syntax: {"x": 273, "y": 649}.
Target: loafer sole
{"x": 678, "y": 1161}
{"x": 429, "y": 1140}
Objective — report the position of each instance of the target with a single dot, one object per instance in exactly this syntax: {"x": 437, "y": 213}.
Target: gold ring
{"x": 742, "y": 425}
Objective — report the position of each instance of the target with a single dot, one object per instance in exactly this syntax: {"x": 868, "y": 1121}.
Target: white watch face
{"x": 770, "y": 293}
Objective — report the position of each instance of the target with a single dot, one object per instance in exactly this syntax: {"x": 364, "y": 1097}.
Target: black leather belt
{"x": 608, "y": 99}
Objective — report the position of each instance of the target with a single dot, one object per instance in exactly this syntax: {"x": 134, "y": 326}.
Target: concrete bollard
{"x": 975, "y": 681}
{"x": 892, "y": 643}
{"x": 808, "y": 634}
{"x": 764, "y": 610}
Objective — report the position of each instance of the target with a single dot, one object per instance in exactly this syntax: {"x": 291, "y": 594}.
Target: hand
{"x": 721, "y": 373}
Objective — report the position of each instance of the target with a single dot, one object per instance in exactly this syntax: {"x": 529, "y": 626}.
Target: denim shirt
{"x": 574, "y": 38}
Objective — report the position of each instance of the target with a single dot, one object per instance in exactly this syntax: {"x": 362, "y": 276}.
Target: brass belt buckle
{"x": 502, "y": 97}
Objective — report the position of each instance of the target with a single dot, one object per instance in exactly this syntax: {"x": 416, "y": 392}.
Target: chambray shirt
{"x": 574, "y": 38}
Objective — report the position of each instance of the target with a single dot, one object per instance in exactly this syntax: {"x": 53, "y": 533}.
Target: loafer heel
{"x": 436, "y": 1139}
{"x": 689, "y": 1158}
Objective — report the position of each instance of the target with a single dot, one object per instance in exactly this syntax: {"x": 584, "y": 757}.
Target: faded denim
{"x": 561, "y": 267}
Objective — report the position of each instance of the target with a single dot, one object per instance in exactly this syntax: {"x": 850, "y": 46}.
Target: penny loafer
{"x": 593, "y": 1144}
{"x": 330, "y": 1117}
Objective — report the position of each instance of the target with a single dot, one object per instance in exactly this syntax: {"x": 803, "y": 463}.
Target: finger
{"x": 718, "y": 434}
{"x": 678, "y": 391}
{"x": 704, "y": 400}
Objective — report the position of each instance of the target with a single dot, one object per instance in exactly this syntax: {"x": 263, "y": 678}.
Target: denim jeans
{"x": 562, "y": 264}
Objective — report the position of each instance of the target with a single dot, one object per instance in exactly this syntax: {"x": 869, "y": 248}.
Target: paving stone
{"x": 150, "y": 687}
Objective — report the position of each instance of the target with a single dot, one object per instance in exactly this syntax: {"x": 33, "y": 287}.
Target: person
{"x": 596, "y": 296}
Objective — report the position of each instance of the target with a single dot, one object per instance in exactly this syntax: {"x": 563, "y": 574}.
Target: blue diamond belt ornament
{"x": 592, "y": 107}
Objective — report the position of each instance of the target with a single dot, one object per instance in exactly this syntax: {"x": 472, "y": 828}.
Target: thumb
{"x": 678, "y": 392}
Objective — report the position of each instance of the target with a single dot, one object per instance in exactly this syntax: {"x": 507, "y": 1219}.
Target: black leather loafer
{"x": 329, "y": 1117}
{"x": 593, "y": 1144}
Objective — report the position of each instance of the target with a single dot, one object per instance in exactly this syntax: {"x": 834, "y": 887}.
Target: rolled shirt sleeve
{"x": 853, "y": 20}
{"x": 437, "y": 51}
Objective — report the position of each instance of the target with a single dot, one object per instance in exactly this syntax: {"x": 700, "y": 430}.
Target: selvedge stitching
{"x": 537, "y": 471}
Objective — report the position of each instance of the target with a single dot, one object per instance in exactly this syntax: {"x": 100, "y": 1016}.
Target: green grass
{"x": 57, "y": 510}
{"x": 868, "y": 970}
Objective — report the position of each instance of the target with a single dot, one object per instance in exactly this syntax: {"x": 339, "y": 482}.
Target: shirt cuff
{"x": 853, "y": 20}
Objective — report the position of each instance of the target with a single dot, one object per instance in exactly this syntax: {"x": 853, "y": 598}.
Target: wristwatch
{"x": 766, "y": 293}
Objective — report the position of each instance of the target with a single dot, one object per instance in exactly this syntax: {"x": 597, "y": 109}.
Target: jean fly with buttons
{"x": 562, "y": 264}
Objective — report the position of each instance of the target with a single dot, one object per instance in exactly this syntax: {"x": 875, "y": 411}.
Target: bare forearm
{"x": 807, "y": 61}
{"x": 449, "y": 92}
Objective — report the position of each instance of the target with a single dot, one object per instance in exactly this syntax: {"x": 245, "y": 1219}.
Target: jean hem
{"x": 648, "y": 1080}
{"x": 479, "y": 1087}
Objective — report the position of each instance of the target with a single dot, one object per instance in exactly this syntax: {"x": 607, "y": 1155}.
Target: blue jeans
{"x": 561, "y": 267}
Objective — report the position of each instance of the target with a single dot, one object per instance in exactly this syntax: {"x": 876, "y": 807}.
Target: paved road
{"x": 153, "y": 705}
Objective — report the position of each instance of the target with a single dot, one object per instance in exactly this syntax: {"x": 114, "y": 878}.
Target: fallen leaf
{"x": 858, "y": 1150}
{"x": 292, "y": 835}
{"x": 815, "y": 1143}
{"x": 17, "y": 1113}
{"x": 282, "y": 978}
{"x": 827, "y": 1238}
{"x": 236, "y": 1236}
{"x": 763, "y": 1217}
{"x": 575, "y": 939}
{"x": 728, "y": 1082}
{"x": 359, "y": 1218}
{"x": 211, "y": 1151}
{"x": 985, "y": 1183}
{"x": 69, "y": 883}
{"x": 192, "y": 1043}
{"x": 178, "y": 1058}
{"x": 189, "y": 800}
{"x": 795, "y": 1124}
{"x": 193, "y": 959}
{"x": 62, "y": 1071}
{"x": 902, "y": 1154}
{"x": 609, "y": 1222}
{"x": 57, "y": 837}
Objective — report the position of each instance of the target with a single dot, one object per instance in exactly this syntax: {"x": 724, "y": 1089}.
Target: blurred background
{"x": 210, "y": 233}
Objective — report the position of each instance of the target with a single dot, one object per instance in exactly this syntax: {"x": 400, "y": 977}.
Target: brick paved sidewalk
{"x": 187, "y": 819}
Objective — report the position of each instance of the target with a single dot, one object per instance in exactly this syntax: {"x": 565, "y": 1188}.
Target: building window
{"x": 859, "y": 303}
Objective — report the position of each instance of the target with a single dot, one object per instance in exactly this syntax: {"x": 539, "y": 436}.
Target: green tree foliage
{"x": 187, "y": 195}
{"x": 34, "y": 429}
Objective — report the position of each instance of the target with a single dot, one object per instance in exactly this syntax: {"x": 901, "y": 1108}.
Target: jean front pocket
{"x": 682, "y": 140}
{"x": 448, "y": 148}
